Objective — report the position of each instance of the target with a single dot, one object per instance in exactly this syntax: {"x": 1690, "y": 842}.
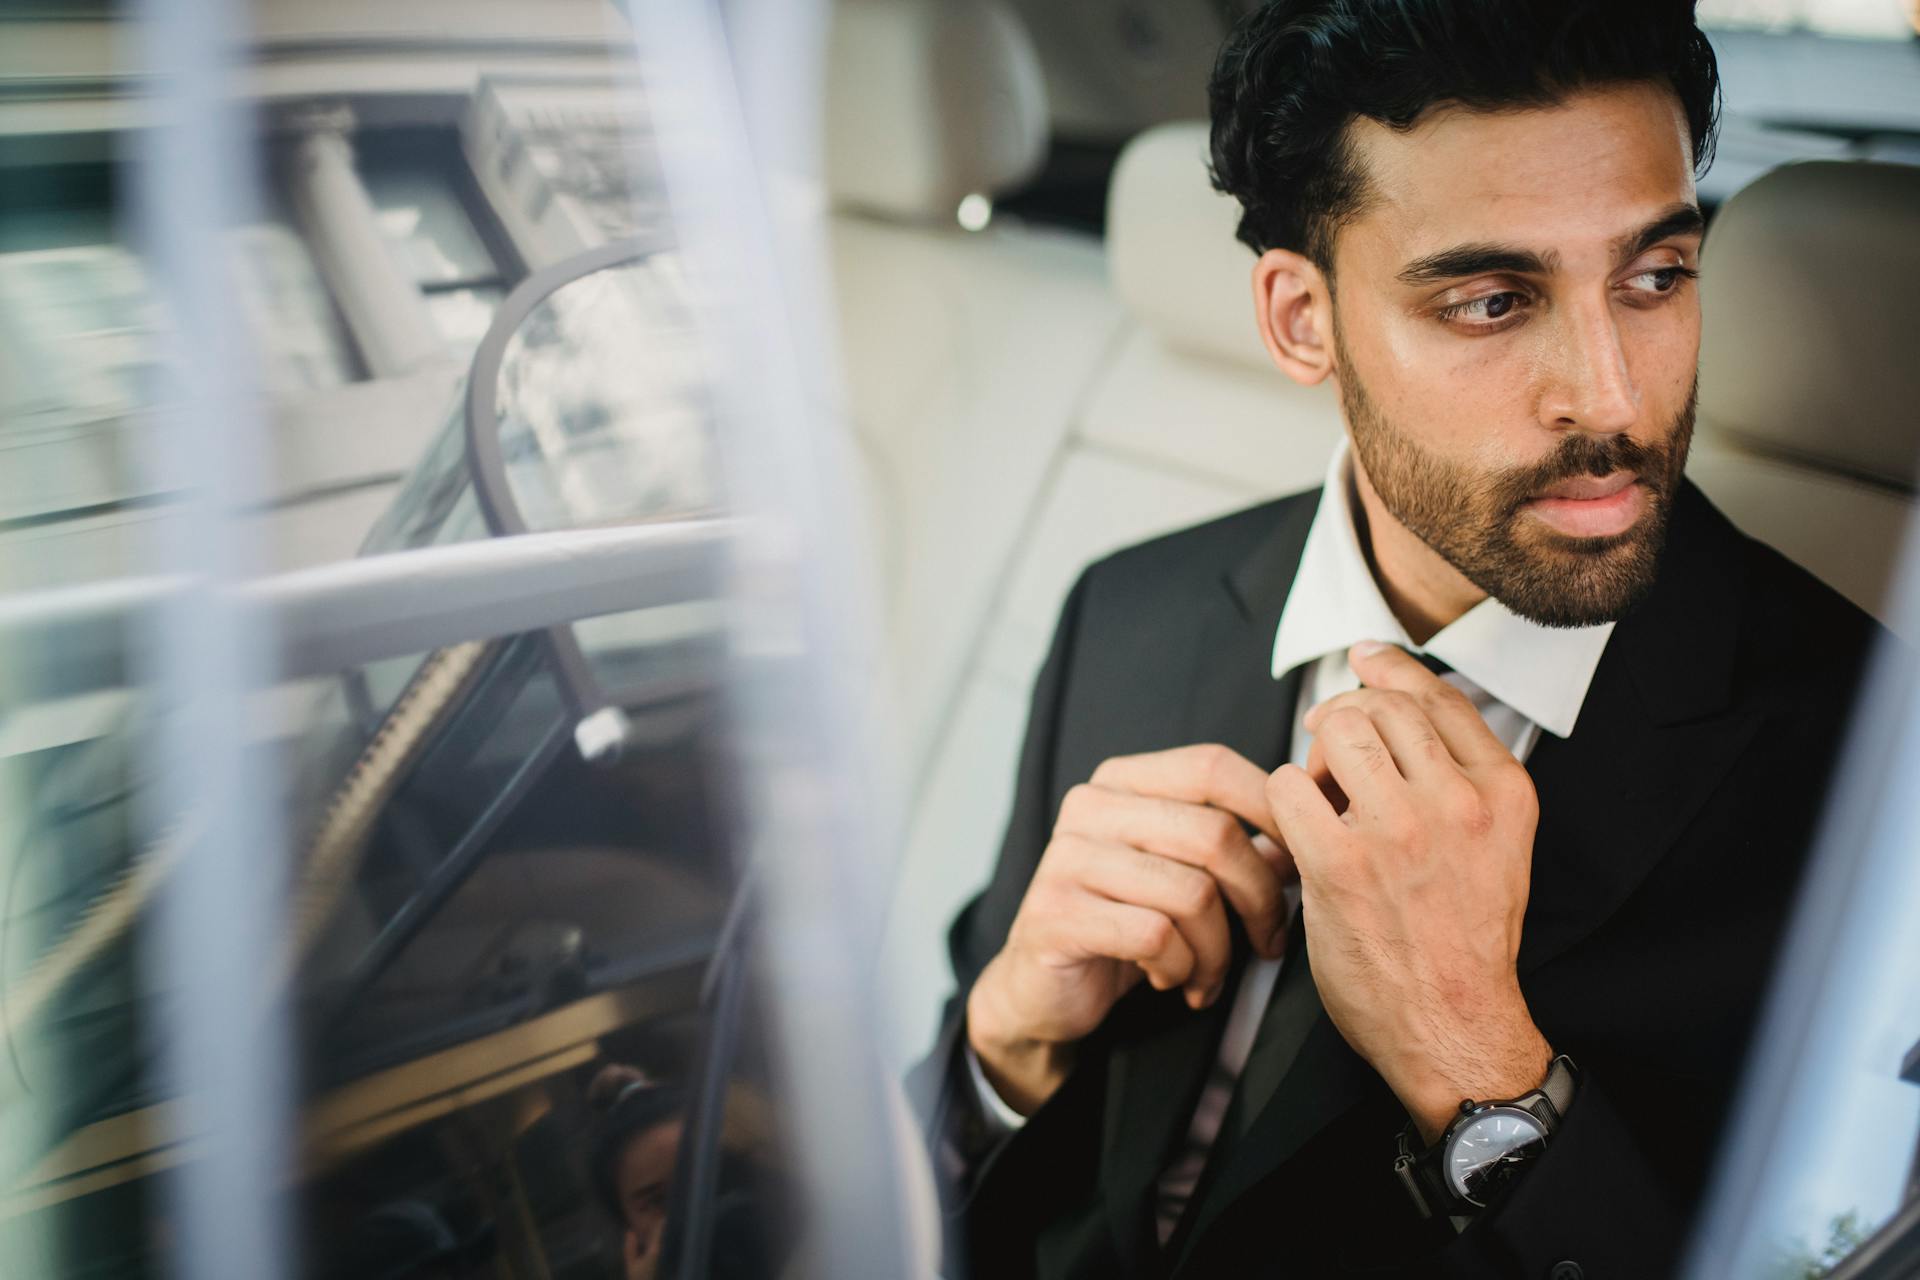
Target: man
{"x": 1282, "y": 909}
{"x": 634, "y": 1165}
{"x": 635, "y": 1151}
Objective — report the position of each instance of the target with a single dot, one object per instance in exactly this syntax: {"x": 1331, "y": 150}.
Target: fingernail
{"x": 1369, "y": 648}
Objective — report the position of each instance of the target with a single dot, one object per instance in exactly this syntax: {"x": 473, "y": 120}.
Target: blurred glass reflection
{"x": 77, "y": 319}
{"x": 479, "y": 919}
{"x": 427, "y": 213}
{"x": 601, "y": 402}
{"x": 1824, "y": 1169}
{"x": 305, "y": 345}
{"x": 517, "y": 938}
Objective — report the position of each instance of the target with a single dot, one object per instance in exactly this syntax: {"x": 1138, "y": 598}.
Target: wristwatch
{"x": 1486, "y": 1147}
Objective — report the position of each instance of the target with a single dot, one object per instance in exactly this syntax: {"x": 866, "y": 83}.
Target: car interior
{"x": 520, "y": 886}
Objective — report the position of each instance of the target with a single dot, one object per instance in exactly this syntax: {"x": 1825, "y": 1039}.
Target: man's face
{"x": 645, "y": 1181}
{"x": 1516, "y": 334}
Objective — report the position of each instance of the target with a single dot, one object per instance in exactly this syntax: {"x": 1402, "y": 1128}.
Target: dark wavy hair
{"x": 1295, "y": 73}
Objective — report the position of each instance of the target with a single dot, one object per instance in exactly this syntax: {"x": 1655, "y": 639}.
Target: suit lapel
{"x": 1657, "y": 734}
{"x": 1655, "y": 737}
{"x": 1163, "y": 1050}
{"x": 1325, "y": 1080}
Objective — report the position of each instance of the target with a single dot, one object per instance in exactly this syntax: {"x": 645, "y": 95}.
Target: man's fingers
{"x": 1323, "y": 777}
{"x": 1454, "y": 717}
{"x": 1418, "y": 749}
{"x": 1359, "y": 761}
{"x": 1313, "y": 828}
{"x": 1197, "y": 835}
{"x": 1280, "y": 858}
{"x": 1099, "y": 926}
{"x": 1277, "y": 856}
{"x": 1205, "y": 773}
{"x": 1186, "y": 895}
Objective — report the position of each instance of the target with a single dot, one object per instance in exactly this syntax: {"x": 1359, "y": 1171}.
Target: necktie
{"x": 1290, "y": 1013}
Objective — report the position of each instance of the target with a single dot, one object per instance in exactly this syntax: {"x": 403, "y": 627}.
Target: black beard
{"x": 1473, "y": 519}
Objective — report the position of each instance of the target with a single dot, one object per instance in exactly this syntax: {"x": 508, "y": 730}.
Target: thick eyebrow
{"x": 1464, "y": 260}
{"x": 1680, "y": 220}
{"x": 1476, "y": 260}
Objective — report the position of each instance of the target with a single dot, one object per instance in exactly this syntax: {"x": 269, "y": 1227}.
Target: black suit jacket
{"x": 1674, "y": 823}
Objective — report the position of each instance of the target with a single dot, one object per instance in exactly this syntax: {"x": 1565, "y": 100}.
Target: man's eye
{"x": 1488, "y": 310}
{"x": 1662, "y": 279}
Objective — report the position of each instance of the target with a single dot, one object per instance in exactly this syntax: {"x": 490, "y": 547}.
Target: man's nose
{"x": 1591, "y": 387}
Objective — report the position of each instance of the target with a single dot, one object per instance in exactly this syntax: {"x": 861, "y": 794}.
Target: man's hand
{"x": 640, "y": 1252}
{"x": 1145, "y": 860}
{"x": 1414, "y": 895}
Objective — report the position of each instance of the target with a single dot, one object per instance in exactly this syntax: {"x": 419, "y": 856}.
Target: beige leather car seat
{"x": 1809, "y": 422}
{"x": 1179, "y": 418}
{"x": 964, "y": 352}
{"x": 1193, "y": 385}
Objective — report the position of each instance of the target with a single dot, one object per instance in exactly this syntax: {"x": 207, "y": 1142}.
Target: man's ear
{"x": 1295, "y": 310}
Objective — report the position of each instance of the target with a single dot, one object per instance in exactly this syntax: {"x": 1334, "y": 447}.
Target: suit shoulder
{"x": 1797, "y": 617}
{"x": 1194, "y": 554}
{"x": 1796, "y": 630}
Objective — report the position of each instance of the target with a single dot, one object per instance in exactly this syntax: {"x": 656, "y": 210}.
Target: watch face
{"x": 1486, "y": 1151}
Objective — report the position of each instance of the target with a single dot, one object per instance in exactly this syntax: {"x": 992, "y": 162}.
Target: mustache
{"x": 1586, "y": 455}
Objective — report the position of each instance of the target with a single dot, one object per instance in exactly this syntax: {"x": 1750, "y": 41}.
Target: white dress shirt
{"x": 1525, "y": 678}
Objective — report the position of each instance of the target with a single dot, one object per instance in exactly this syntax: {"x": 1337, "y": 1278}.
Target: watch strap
{"x": 1559, "y": 1085}
{"x": 1420, "y": 1174}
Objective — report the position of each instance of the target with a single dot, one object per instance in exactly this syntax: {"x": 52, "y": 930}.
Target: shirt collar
{"x": 1541, "y": 672}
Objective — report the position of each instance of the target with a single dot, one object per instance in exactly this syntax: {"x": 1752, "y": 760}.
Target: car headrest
{"x": 928, "y": 102}
{"x": 1810, "y": 285}
{"x": 1171, "y": 251}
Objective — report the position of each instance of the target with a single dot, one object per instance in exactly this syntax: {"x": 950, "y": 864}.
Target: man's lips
{"x": 1591, "y": 506}
{"x": 1589, "y": 488}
